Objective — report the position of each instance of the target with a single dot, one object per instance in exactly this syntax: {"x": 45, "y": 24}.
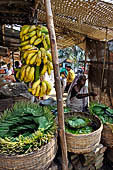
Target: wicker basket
{"x": 84, "y": 143}
{"x": 107, "y": 136}
{"x": 38, "y": 160}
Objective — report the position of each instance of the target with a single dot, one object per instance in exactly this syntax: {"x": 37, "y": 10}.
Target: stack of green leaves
{"x": 102, "y": 111}
{"x": 25, "y": 128}
{"x": 78, "y": 125}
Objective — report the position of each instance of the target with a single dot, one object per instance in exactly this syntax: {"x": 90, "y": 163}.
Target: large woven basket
{"x": 107, "y": 136}
{"x": 84, "y": 143}
{"x": 38, "y": 160}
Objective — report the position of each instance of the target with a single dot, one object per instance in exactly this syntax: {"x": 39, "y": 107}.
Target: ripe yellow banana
{"x": 21, "y": 35}
{"x": 27, "y": 71}
{"x": 45, "y": 59}
{"x": 38, "y": 60}
{"x": 43, "y": 52}
{"x": 44, "y": 87}
{"x": 37, "y": 91}
{"x": 39, "y": 27}
{"x": 26, "y": 37}
{"x": 49, "y": 55}
{"x": 33, "y": 39}
{"x": 32, "y": 28}
{"x": 47, "y": 40}
{"x": 25, "y": 54}
{"x": 33, "y": 50}
{"x": 44, "y": 69}
{"x": 31, "y": 74}
{"x": 45, "y": 44}
{"x": 33, "y": 91}
{"x": 35, "y": 84}
{"x": 25, "y": 29}
{"x": 24, "y": 43}
{"x": 33, "y": 59}
{"x": 22, "y": 72}
{"x": 39, "y": 33}
{"x": 50, "y": 65}
{"x": 31, "y": 34}
{"x": 18, "y": 75}
{"x": 29, "y": 57}
{"x": 30, "y": 90}
{"x": 26, "y": 47}
{"x": 38, "y": 41}
{"x": 49, "y": 87}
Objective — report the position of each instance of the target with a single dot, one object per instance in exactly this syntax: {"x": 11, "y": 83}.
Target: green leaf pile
{"x": 78, "y": 125}
{"x": 102, "y": 111}
{"x": 25, "y": 128}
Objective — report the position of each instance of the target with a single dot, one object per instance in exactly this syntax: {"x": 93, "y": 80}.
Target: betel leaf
{"x": 84, "y": 130}
{"x": 77, "y": 122}
{"x": 43, "y": 122}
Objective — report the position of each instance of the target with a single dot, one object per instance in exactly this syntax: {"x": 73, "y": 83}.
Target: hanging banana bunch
{"x": 36, "y": 58}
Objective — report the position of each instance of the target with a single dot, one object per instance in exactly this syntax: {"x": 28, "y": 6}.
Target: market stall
{"x": 73, "y": 21}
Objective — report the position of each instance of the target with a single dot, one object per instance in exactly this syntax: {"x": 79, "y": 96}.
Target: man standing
{"x": 70, "y": 77}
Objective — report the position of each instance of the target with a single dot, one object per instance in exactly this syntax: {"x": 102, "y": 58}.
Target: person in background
{"x": 63, "y": 75}
{"x": 9, "y": 70}
{"x": 16, "y": 70}
{"x": 70, "y": 77}
{"x": 77, "y": 98}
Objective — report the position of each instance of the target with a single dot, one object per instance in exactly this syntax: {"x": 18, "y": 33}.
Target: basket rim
{"x": 92, "y": 133}
{"x": 31, "y": 153}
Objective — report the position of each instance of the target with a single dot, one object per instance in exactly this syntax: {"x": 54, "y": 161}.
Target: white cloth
{"x": 77, "y": 104}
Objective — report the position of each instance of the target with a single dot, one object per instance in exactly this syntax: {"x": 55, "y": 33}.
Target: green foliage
{"x": 102, "y": 111}
{"x": 77, "y": 122}
{"x": 25, "y": 128}
{"x": 78, "y": 125}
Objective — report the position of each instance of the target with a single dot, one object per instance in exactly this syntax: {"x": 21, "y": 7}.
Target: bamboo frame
{"x": 49, "y": 17}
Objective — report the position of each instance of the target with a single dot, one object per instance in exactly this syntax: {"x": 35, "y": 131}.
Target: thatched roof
{"x": 74, "y": 20}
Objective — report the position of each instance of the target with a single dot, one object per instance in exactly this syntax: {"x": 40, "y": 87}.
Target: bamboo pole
{"x": 103, "y": 69}
{"x": 50, "y": 24}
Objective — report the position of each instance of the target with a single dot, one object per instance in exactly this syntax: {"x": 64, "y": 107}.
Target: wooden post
{"x": 85, "y": 62}
{"x": 103, "y": 69}
{"x": 50, "y": 24}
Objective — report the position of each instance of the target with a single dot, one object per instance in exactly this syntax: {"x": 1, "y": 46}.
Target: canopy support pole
{"x": 103, "y": 69}
{"x": 51, "y": 30}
